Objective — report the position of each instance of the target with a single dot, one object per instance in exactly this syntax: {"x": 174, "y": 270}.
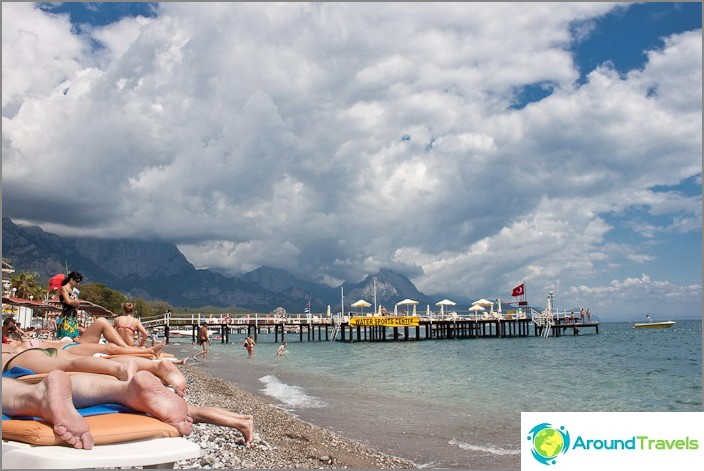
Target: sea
{"x": 456, "y": 404}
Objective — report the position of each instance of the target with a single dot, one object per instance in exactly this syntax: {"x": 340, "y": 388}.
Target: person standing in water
{"x": 248, "y": 345}
{"x": 203, "y": 340}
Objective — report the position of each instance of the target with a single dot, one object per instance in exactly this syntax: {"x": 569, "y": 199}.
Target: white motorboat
{"x": 653, "y": 325}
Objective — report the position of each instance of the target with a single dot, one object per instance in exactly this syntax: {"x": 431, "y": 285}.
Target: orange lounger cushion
{"x": 106, "y": 429}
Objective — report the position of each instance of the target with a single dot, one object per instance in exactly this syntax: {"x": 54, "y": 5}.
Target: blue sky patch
{"x": 622, "y": 37}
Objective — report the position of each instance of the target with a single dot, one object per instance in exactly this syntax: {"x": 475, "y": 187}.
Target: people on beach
{"x": 153, "y": 337}
{"x": 248, "y": 345}
{"x": 67, "y": 323}
{"x": 281, "y": 351}
{"x": 41, "y": 358}
{"x": 56, "y": 398}
{"x": 128, "y": 327}
{"x": 203, "y": 341}
{"x": 50, "y": 400}
{"x": 10, "y": 328}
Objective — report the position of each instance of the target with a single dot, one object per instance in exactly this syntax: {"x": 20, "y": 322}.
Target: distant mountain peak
{"x": 157, "y": 270}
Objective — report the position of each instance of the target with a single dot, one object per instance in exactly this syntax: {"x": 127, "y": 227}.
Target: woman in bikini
{"x": 127, "y": 326}
{"x": 44, "y": 357}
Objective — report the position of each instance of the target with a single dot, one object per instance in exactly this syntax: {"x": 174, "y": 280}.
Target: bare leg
{"x": 52, "y": 401}
{"x": 226, "y": 418}
{"x": 165, "y": 370}
{"x": 102, "y": 327}
{"x": 144, "y": 392}
{"x": 39, "y": 362}
{"x": 111, "y": 349}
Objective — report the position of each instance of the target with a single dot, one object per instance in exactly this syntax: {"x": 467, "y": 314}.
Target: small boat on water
{"x": 653, "y": 325}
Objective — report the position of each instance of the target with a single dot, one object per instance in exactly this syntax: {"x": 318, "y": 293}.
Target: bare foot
{"x": 129, "y": 366}
{"x": 225, "y": 418}
{"x": 56, "y": 407}
{"x": 157, "y": 348}
{"x": 147, "y": 394}
{"x": 247, "y": 430}
{"x": 171, "y": 375}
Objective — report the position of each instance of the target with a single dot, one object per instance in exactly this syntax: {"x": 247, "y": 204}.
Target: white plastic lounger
{"x": 149, "y": 453}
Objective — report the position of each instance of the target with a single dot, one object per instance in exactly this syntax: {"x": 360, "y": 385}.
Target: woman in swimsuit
{"x": 40, "y": 357}
{"x": 127, "y": 326}
{"x": 67, "y": 323}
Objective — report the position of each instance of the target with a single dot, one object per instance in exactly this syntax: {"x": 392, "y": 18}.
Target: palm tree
{"x": 26, "y": 285}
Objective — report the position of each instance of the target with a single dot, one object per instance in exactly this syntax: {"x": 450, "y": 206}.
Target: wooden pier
{"x": 460, "y": 329}
{"x": 427, "y": 329}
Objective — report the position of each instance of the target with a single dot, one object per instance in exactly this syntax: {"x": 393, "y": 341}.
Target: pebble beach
{"x": 281, "y": 441}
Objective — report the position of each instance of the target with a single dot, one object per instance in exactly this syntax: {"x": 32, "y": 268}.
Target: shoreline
{"x": 281, "y": 441}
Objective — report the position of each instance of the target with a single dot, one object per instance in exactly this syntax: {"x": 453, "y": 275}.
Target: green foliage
{"x": 100, "y": 294}
{"x": 159, "y": 307}
{"x": 27, "y": 285}
{"x": 142, "y": 309}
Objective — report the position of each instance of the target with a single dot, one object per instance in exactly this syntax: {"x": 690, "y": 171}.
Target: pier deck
{"x": 427, "y": 329}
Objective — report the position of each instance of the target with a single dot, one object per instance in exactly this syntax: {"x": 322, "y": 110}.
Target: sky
{"x": 469, "y": 146}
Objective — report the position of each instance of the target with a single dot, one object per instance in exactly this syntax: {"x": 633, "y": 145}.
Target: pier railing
{"x": 340, "y": 327}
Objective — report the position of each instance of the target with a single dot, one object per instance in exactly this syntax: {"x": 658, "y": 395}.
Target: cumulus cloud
{"x": 333, "y": 140}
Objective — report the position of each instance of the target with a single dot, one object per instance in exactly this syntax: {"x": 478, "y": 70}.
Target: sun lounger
{"x": 122, "y": 438}
{"x": 154, "y": 453}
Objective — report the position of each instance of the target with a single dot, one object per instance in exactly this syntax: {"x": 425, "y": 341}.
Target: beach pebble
{"x": 280, "y": 440}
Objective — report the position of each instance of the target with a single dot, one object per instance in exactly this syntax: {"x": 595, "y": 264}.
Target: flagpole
{"x": 374, "y": 280}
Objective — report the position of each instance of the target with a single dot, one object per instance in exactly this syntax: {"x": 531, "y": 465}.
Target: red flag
{"x": 519, "y": 290}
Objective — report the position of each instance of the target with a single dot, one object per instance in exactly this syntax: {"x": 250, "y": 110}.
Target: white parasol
{"x": 483, "y": 302}
{"x": 443, "y": 303}
{"x": 408, "y": 302}
{"x": 476, "y": 308}
{"x": 361, "y": 303}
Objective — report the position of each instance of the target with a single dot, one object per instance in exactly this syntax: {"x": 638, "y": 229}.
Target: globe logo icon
{"x": 548, "y": 442}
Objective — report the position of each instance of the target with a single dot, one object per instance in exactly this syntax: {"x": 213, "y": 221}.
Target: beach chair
{"x": 122, "y": 438}
{"x": 148, "y": 453}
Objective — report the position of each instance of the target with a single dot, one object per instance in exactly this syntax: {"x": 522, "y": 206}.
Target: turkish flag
{"x": 519, "y": 290}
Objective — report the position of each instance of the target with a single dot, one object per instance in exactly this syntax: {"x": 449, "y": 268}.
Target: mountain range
{"x": 158, "y": 271}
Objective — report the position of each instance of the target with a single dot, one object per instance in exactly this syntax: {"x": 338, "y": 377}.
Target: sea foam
{"x": 485, "y": 449}
{"x": 290, "y": 396}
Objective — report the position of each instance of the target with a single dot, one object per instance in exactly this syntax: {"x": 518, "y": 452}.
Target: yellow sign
{"x": 410, "y": 321}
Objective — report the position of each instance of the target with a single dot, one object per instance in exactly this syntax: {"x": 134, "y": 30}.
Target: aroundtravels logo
{"x": 549, "y": 442}
{"x": 611, "y": 440}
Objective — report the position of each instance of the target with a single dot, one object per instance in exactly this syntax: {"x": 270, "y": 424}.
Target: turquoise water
{"x": 457, "y": 403}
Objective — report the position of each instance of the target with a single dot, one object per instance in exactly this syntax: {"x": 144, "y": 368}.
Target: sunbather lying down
{"x": 56, "y": 398}
{"x": 91, "y": 348}
{"x": 45, "y": 360}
